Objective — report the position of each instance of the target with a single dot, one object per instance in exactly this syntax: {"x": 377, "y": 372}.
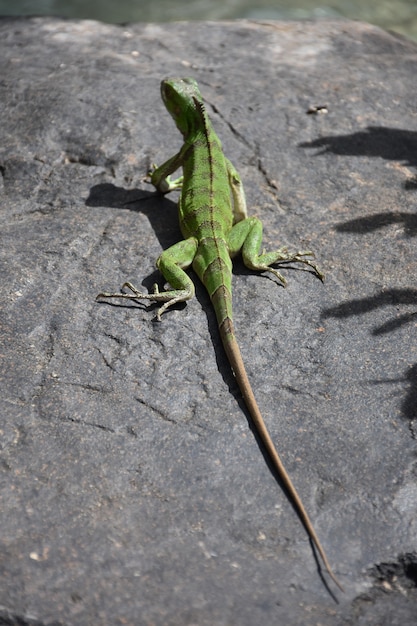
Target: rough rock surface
{"x": 132, "y": 489}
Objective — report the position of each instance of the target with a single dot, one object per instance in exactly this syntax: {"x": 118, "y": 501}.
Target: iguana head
{"x": 183, "y": 101}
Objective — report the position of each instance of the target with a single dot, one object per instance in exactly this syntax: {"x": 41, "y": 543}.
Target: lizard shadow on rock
{"x": 388, "y": 297}
{"x": 161, "y": 212}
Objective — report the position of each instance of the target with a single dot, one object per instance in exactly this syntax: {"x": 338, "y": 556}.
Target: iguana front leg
{"x": 238, "y": 194}
{"x": 161, "y": 176}
{"x": 246, "y": 236}
{"x": 171, "y": 263}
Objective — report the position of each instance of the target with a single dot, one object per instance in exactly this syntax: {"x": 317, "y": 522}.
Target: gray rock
{"x": 132, "y": 489}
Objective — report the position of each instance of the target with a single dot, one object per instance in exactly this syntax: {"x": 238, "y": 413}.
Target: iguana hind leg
{"x": 171, "y": 263}
{"x": 246, "y": 236}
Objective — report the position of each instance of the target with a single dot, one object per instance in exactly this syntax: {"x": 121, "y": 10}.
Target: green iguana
{"x": 215, "y": 226}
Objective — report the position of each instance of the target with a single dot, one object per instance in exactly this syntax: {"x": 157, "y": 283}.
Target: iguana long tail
{"x": 234, "y": 356}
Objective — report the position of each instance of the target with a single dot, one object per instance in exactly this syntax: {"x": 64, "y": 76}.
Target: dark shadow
{"x": 411, "y": 184}
{"x": 410, "y": 402}
{"x": 409, "y": 406}
{"x": 390, "y": 297}
{"x": 163, "y": 216}
{"x": 364, "y": 305}
{"x": 379, "y": 220}
{"x": 393, "y": 144}
{"x": 392, "y": 325}
{"x": 161, "y": 212}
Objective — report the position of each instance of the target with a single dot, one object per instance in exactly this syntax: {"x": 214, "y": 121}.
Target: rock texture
{"x": 132, "y": 488}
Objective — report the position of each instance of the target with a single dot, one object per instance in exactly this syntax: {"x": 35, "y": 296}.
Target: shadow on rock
{"x": 370, "y": 223}
{"x": 389, "y": 297}
{"x": 161, "y": 212}
{"x": 393, "y": 144}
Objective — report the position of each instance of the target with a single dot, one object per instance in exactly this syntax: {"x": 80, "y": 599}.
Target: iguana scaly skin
{"x": 215, "y": 226}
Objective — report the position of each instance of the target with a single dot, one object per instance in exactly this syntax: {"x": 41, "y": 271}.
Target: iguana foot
{"x": 279, "y": 257}
{"x": 168, "y": 297}
{"x": 297, "y": 257}
{"x": 165, "y": 185}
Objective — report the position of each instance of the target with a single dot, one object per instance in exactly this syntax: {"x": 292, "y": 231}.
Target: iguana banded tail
{"x": 215, "y": 226}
